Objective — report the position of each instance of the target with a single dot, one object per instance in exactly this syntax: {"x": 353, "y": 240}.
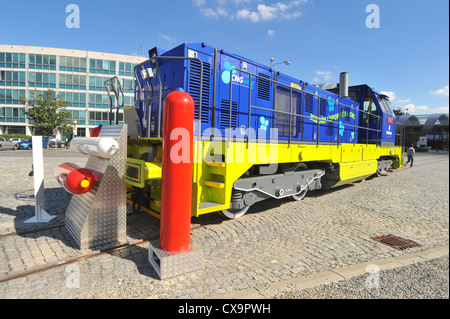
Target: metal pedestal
{"x": 98, "y": 218}
{"x": 170, "y": 264}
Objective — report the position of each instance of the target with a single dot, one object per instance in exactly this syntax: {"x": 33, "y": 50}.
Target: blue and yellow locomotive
{"x": 258, "y": 133}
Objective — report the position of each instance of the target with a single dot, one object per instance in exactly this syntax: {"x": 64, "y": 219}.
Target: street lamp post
{"x": 284, "y": 62}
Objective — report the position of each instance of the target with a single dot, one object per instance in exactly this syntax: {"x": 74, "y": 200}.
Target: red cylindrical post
{"x": 96, "y": 131}
{"x": 176, "y": 179}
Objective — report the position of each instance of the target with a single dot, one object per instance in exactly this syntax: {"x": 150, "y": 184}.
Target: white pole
{"x": 41, "y": 216}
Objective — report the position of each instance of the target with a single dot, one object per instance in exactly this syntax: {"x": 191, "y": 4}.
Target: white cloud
{"x": 443, "y": 109}
{"x": 246, "y": 14}
{"x": 166, "y": 37}
{"x": 271, "y": 33}
{"x": 404, "y": 101}
{"x": 214, "y": 13}
{"x": 267, "y": 12}
{"x": 390, "y": 94}
{"x": 198, "y": 2}
{"x": 271, "y": 12}
{"x": 243, "y": 11}
{"x": 441, "y": 92}
{"x": 222, "y": 12}
{"x": 412, "y": 108}
{"x": 325, "y": 75}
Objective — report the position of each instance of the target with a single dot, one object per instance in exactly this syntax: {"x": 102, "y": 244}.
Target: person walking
{"x": 410, "y": 153}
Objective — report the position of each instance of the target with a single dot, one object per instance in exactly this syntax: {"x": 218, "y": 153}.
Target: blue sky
{"x": 407, "y": 56}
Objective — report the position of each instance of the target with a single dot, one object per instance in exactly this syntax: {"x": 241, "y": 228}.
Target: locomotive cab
{"x": 377, "y": 120}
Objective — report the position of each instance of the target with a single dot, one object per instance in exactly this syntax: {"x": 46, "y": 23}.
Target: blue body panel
{"x": 321, "y": 118}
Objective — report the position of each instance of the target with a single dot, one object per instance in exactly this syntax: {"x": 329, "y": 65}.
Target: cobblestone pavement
{"x": 274, "y": 242}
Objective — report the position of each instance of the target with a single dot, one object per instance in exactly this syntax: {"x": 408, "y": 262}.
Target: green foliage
{"x": 399, "y": 111}
{"x": 47, "y": 112}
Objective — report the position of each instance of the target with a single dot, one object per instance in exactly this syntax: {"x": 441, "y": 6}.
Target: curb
{"x": 334, "y": 275}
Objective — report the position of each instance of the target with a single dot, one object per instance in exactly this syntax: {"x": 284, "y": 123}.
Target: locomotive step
{"x": 206, "y": 205}
{"x": 216, "y": 164}
{"x": 215, "y": 184}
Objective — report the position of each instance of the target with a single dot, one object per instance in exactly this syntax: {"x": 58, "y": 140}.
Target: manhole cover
{"x": 396, "y": 242}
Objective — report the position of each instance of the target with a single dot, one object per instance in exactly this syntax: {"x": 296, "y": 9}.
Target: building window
{"x": 127, "y": 85}
{"x": 42, "y": 80}
{"x": 72, "y": 64}
{"x": 102, "y": 66}
{"x": 81, "y": 131}
{"x": 42, "y": 62}
{"x": 126, "y": 69}
{"x": 12, "y": 60}
{"x": 78, "y": 116}
{"x": 34, "y": 94}
{"x": 97, "y": 118}
{"x": 74, "y": 99}
{"x": 8, "y": 96}
{"x": 12, "y": 114}
{"x": 72, "y": 81}
{"x": 15, "y": 130}
{"x": 96, "y": 83}
{"x": 13, "y": 78}
{"x": 98, "y": 101}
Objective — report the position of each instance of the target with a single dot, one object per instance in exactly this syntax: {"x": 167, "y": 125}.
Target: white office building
{"x": 78, "y": 76}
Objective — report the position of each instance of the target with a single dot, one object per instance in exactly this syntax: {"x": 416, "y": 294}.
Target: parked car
{"x": 4, "y": 144}
{"x": 57, "y": 143}
{"x": 17, "y": 139}
{"x": 28, "y": 145}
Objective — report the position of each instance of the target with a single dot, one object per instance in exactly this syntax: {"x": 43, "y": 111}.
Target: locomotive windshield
{"x": 385, "y": 104}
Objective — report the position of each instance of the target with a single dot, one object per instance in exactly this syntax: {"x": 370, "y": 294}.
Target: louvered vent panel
{"x": 309, "y": 103}
{"x": 194, "y": 88}
{"x": 263, "y": 87}
{"x": 224, "y": 121}
{"x": 323, "y": 107}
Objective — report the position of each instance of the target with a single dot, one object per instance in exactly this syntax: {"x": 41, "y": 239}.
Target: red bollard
{"x": 176, "y": 181}
{"x": 96, "y": 131}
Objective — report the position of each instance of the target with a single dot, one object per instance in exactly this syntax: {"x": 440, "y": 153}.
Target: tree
{"x": 47, "y": 113}
{"x": 399, "y": 111}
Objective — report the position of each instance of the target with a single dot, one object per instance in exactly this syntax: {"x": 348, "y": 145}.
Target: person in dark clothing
{"x": 410, "y": 153}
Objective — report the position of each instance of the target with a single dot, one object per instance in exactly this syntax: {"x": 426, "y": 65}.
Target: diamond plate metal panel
{"x": 98, "y": 218}
{"x": 170, "y": 264}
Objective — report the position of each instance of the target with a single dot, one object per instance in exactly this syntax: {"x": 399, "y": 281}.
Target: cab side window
{"x": 370, "y": 111}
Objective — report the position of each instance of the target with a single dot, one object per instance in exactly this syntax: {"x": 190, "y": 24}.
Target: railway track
{"x": 52, "y": 265}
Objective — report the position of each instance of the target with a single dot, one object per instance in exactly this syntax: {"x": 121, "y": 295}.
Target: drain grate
{"x": 396, "y": 242}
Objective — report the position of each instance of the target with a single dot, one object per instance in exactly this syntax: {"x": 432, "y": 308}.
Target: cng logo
{"x": 226, "y": 74}
{"x": 235, "y": 78}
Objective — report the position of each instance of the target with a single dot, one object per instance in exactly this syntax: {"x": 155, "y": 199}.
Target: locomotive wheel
{"x": 234, "y": 213}
{"x": 300, "y": 195}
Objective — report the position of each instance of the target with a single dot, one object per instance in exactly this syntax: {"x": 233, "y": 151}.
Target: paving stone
{"x": 274, "y": 241}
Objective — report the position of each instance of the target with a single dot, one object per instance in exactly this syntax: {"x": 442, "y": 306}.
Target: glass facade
{"x": 42, "y": 62}
{"x": 78, "y": 80}
{"x": 12, "y": 60}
